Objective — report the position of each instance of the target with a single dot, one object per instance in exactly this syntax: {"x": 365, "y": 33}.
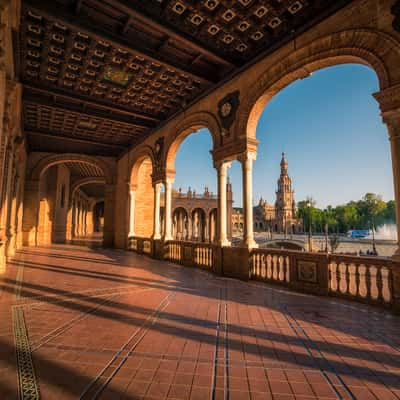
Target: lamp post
{"x": 309, "y": 226}
{"x": 326, "y": 237}
{"x": 373, "y": 238}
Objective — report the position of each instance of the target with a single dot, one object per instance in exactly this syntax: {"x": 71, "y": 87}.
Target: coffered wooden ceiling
{"x": 100, "y": 75}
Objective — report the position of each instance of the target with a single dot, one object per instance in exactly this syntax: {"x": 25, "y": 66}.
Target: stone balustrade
{"x": 190, "y": 253}
{"x": 365, "y": 279}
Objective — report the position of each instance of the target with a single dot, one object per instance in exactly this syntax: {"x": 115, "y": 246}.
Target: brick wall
{"x": 144, "y": 202}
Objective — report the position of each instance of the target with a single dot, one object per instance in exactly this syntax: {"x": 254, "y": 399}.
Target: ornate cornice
{"x": 389, "y": 101}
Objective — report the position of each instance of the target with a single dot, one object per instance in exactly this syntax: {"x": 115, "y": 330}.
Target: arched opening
{"x": 181, "y": 224}
{"x": 336, "y": 146}
{"x": 213, "y": 227}
{"x": 98, "y": 217}
{"x": 186, "y": 156}
{"x": 199, "y": 225}
{"x": 67, "y": 193}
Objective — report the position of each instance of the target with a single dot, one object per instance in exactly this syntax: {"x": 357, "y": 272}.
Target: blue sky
{"x": 331, "y": 131}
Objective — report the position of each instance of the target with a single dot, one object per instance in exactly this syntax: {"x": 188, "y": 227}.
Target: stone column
{"x": 156, "y": 218}
{"x": 394, "y": 137}
{"x": 190, "y": 224}
{"x": 31, "y": 213}
{"x": 246, "y": 160}
{"x": 168, "y": 209}
{"x": 222, "y": 169}
{"x": 132, "y": 194}
{"x": 389, "y": 102}
{"x": 207, "y": 229}
{"x": 108, "y": 230}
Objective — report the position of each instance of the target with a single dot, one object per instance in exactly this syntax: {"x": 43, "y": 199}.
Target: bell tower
{"x": 285, "y": 204}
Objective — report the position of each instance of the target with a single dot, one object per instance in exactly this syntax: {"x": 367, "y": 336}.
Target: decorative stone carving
{"x": 307, "y": 271}
{"x": 396, "y": 12}
{"x": 227, "y": 108}
{"x": 158, "y": 151}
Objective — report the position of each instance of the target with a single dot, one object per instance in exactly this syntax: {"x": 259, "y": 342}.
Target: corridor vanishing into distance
{"x": 108, "y": 324}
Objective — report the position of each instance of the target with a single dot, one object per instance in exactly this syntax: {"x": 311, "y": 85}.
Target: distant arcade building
{"x": 194, "y": 216}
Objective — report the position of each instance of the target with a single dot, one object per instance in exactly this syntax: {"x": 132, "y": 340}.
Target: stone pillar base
{"x": 396, "y": 287}
{"x": 158, "y": 249}
{"x": 3, "y": 259}
{"x": 235, "y": 262}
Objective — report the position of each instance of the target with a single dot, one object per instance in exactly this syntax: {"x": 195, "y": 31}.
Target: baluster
{"x": 368, "y": 281}
{"x": 332, "y": 276}
{"x": 274, "y": 267}
{"x": 339, "y": 276}
{"x": 342, "y": 275}
{"x": 363, "y": 286}
{"x": 357, "y": 280}
{"x": 287, "y": 269}
{"x": 259, "y": 266}
{"x": 280, "y": 268}
{"x": 269, "y": 266}
{"x": 263, "y": 272}
{"x": 374, "y": 282}
{"x": 379, "y": 284}
{"x": 386, "y": 286}
{"x": 347, "y": 277}
{"x": 352, "y": 288}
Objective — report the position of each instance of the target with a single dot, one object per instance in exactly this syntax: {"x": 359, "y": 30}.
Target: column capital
{"x": 169, "y": 181}
{"x": 222, "y": 165}
{"x": 247, "y": 156}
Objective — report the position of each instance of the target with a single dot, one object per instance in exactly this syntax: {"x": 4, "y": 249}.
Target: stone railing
{"x": 190, "y": 253}
{"x": 366, "y": 279}
{"x": 270, "y": 266}
{"x": 140, "y": 244}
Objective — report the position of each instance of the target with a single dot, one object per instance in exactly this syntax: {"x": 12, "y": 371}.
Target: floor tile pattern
{"x": 81, "y": 323}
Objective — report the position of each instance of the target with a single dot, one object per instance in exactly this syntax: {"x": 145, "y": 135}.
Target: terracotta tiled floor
{"x": 114, "y": 325}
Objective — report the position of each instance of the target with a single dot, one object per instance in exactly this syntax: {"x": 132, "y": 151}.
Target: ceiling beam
{"x": 35, "y": 94}
{"x": 62, "y": 138}
{"x": 54, "y": 11}
{"x": 180, "y": 37}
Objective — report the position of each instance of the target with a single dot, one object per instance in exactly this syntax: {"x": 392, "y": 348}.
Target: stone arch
{"x": 287, "y": 244}
{"x": 182, "y": 130}
{"x": 136, "y": 162}
{"x": 86, "y": 181}
{"x": 47, "y": 162}
{"x": 372, "y": 48}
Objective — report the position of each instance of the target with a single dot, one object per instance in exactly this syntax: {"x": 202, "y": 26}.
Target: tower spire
{"x": 284, "y": 164}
